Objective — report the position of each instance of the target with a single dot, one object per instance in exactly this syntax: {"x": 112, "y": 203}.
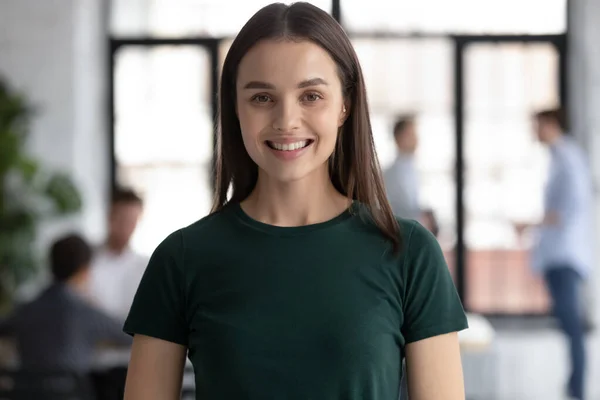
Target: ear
{"x": 344, "y": 113}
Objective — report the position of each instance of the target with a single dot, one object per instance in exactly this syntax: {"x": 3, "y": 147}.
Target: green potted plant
{"x": 29, "y": 194}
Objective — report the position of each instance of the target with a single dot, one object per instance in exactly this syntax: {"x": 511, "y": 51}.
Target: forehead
{"x": 286, "y": 63}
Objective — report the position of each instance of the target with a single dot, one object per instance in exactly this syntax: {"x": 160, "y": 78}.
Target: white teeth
{"x": 289, "y": 146}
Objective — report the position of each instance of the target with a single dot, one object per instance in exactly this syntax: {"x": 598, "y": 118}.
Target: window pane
{"x": 175, "y": 196}
{"x": 457, "y": 16}
{"x": 415, "y": 76}
{"x": 407, "y": 74}
{"x": 505, "y": 170}
{"x": 172, "y": 18}
{"x": 162, "y": 100}
{"x": 164, "y": 135}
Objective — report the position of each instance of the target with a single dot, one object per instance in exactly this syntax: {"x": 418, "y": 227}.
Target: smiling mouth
{"x": 290, "y": 146}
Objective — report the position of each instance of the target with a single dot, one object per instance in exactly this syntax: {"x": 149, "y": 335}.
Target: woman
{"x": 302, "y": 285}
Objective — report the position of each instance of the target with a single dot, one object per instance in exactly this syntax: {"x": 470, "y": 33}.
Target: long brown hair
{"x": 354, "y": 167}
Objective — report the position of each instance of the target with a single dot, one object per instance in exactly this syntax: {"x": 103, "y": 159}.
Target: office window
{"x": 456, "y": 16}
{"x": 163, "y": 136}
{"x": 415, "y": 76}
{"x": 181, "y": 18}
{"x": 162, "y": 90}
{"x": 505, "y": 171}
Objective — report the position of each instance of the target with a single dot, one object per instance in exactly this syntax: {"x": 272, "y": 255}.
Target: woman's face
{"x": 290, "y": 106}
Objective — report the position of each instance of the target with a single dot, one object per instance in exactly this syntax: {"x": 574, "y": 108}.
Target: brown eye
{"x": 261, "y": 98}
{"x": 312, "y": 97}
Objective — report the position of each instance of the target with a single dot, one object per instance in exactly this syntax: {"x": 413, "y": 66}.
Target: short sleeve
{"x": 158, "y": 308}
{"x": 432, "y": 306}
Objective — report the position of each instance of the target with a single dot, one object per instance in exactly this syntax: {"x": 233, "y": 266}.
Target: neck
{"x": 306, "y": 201}
{"x": 116, "y": 246}
{"x": 77, "y": 283}
{"x": 555, "y": 138}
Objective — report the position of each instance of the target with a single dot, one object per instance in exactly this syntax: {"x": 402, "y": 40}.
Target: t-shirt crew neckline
{"x": 291, "y": 230}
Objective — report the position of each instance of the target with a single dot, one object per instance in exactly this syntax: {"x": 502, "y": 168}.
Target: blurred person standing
{"x": 117, "y": 269}
{"x": 60, "y": 329}
{"x": 401, "y": 178}
{"x": 563, "y": 251}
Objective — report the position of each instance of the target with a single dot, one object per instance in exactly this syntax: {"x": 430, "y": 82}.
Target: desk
{"x": 479, "y": 359}
{"x": 479, "y": 336}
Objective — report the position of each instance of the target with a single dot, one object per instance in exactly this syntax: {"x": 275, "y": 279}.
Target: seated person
{"x": 59, "y": 329}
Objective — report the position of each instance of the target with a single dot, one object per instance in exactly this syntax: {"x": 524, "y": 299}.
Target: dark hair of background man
{"x": 125, "y": 196}
{"x": 402, "y": 122}
{"x": 68, "y": 256}
{"x": 555, "y": 115}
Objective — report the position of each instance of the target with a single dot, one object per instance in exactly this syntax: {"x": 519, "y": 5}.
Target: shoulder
{"x": 570, "y": 153}
{"x": 412, "y": 233}
{"x": 195, "y": 235}
{"x": 100, "y": 255}
{"x": 420, "y": 248}
{"x": 83, "y": 309}
{"x": 212, "y": 221}
{"x": 415, "y": 236}
{"x": 415, "y": 239}
{"x": 391, "y": 170}
{"x": 206, "y": 229}
{"x": 70, "y": 303}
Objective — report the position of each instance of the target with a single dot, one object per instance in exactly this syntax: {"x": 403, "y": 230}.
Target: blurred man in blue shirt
{"x": 59, "y": 330}
{"x": 563, "y": 252}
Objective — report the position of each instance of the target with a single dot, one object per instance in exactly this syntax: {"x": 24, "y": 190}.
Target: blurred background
{"x": 123, "y": 94}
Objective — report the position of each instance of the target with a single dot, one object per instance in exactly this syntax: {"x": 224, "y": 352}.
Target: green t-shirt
{"x": 314, "y": 312}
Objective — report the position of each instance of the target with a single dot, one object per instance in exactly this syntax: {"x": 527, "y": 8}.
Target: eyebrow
{"x": 301, "y": 85}
{"x": 312, "y": 82}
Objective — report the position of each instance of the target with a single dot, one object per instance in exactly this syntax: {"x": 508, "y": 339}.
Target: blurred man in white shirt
{"x": 117, "y": 269}
{"x": 401, "y": 180}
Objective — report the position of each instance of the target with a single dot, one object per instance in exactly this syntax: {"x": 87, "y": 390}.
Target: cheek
{"x": 246, "y": 117}
{"x": 325, "y": 124}
{"x": 251, "y": 125}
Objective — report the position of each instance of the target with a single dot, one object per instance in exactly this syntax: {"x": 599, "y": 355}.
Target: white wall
{"x": 584, "y": 94}
{"x": 53, "y": 51}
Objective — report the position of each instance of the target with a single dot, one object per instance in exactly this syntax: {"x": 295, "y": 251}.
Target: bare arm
{"x": 434, "y": 369}
{"x": 551, "y": 218}
{"x": 155, "y": 370}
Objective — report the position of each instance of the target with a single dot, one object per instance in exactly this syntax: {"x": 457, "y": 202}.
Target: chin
{"x": 291, "y": 175}
{"x": 286, "y": 177}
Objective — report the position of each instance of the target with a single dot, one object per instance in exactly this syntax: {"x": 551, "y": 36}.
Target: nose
{"x": 287, "y": 116}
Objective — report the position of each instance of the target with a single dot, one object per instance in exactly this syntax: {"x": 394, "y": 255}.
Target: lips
{"x": 291, "y": 146}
